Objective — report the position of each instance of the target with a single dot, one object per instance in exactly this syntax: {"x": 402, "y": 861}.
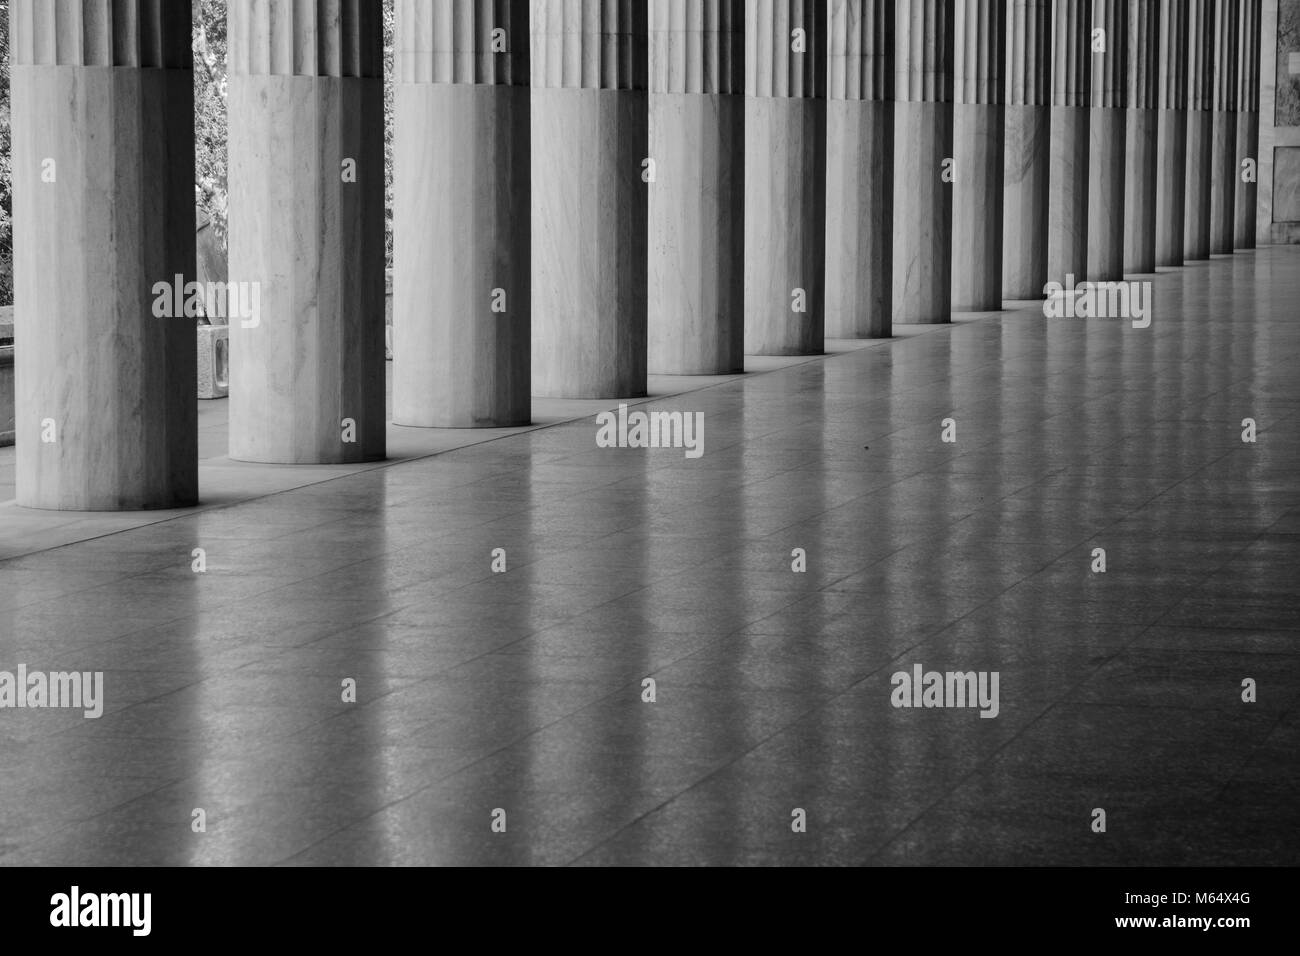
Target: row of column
{"x": 586, "y": 191}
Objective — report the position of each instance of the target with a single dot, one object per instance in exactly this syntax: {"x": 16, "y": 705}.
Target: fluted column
{"x": 1026, "y": 165}
{"x": 1171, "y": 133}
{"x": 924, "y": 34}
{"x": 1247, "y": 123}
{"x": 1142, "y": 96}
{"x": 696, "y": 297}
{"x": 461, "y": 265}
{"x": 1223, "y": 129}
{"x": 979, "y": 130}
{"x": 103, "y": 210}
{"x": 785, "y": 177}
{"x": 860, "y": 170}
{"x": 1108, "y": 133}
{"x": 1067, "y": 203}
{"x": 590, "y": 143}
{"x": 1200, "y": 102}
{"x": 306, "y": 108}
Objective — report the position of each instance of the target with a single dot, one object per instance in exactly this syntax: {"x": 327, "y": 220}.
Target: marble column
{"x": 1067, "y": 183}
{"x": 1142, "y": 96}
{"x": 1027, "y": 150}
{"x": 1171, "y": 133}
{"x": 1247, "y": 124}
{"x": 785, "y": 177}
{"x": 979, "y": 130}
{"x": 590, "y": 171}
{"x": 306, "y": 142}
{"x": 103, "y": 211}
{"x": 461, "y": 260}
{"x": 923, "y": 89}
{"x": 1200, "y": 102}
{"x": 1108, "y": 135}
{"x": 1223, "y": 129}
{"x": 696, "y": 302}
{"x": 860, "y": 170}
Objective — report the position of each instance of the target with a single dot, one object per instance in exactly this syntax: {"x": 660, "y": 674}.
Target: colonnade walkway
{"x": 478, "y": 691}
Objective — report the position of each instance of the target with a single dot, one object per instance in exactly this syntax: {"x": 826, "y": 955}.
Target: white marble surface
{"x": 979, "y": 153}
{"x": 589, "y": 216}
{"x": 785, "y": 224}
{"x": 460, "y": 233}
{"x": 1171, "y": 185}
{"x": 1223, "y": 181}
{"x": 1067, "y": 200}
{"x": 314, "y": 244}
{"x": 116, "y": 383}
{"x": 1106, "y": 161}
{"x": 859, "y": 218}
{"x": 1141, "y": 129}
{"x": 922, "y": 213}
{"x": 696, "y": 298}
{"x": 1026, "y": 170}
{"x": 1247, "y": 198}
{"x": 1196, "y": 206}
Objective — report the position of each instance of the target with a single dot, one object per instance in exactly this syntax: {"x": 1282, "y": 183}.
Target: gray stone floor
{"x": 522, "y": 691}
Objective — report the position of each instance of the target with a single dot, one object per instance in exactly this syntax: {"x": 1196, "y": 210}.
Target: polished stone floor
{"x": 522, "y": 691}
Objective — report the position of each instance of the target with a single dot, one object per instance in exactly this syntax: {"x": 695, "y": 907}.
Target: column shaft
{"x": 696, "y": 307}
{"x": 1067, "y": 203}
{"x": 1027, "y": 151}
{"x": 1200, "y": 102}
{"x": 1171, "y": 133}
{"x": 785, "y": 177}
{"x": 923, "y": 130}
{"x": 103, "y": 211}
{"x": 859, "y": 170}
{"x": 979, "y": 132}
{"x": 1223, "y": 130}
{"x": 1108, "y": 123}
{"x": 306, "y": 108}
{"x": 1247, "y": 125}
{"x": 1142, "y": 97}
{"x": 590, "y": 139}
{"x": 461, "y": 233}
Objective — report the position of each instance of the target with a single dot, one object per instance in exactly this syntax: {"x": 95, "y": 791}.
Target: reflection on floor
{"x": 522, "y": 691}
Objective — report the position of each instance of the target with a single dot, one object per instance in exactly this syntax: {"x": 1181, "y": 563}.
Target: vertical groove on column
{"x": 697, "y": 47}
{"x": 589, "y": 44}
{"x": 139, "y": 33}
{"x": 1248, "y": 56}
{"x": 979, "y": 52}
{"x": 1200, "y": 54}
{"x": 1142, "y": 84}
{"x": 923, "y": 51}
{"x": 1029, "y": 53}
{"x": 1110, "y": 70}
{"x": 1224, "y": 73}
{"x": 1173, "y": 50}
{"x": 861, "y": 51}
{"x": 304, "y": 38}
{"x": 1071, "y": 52}
{"x": 773, "y": 68}
{"x": 451, "y": 42}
